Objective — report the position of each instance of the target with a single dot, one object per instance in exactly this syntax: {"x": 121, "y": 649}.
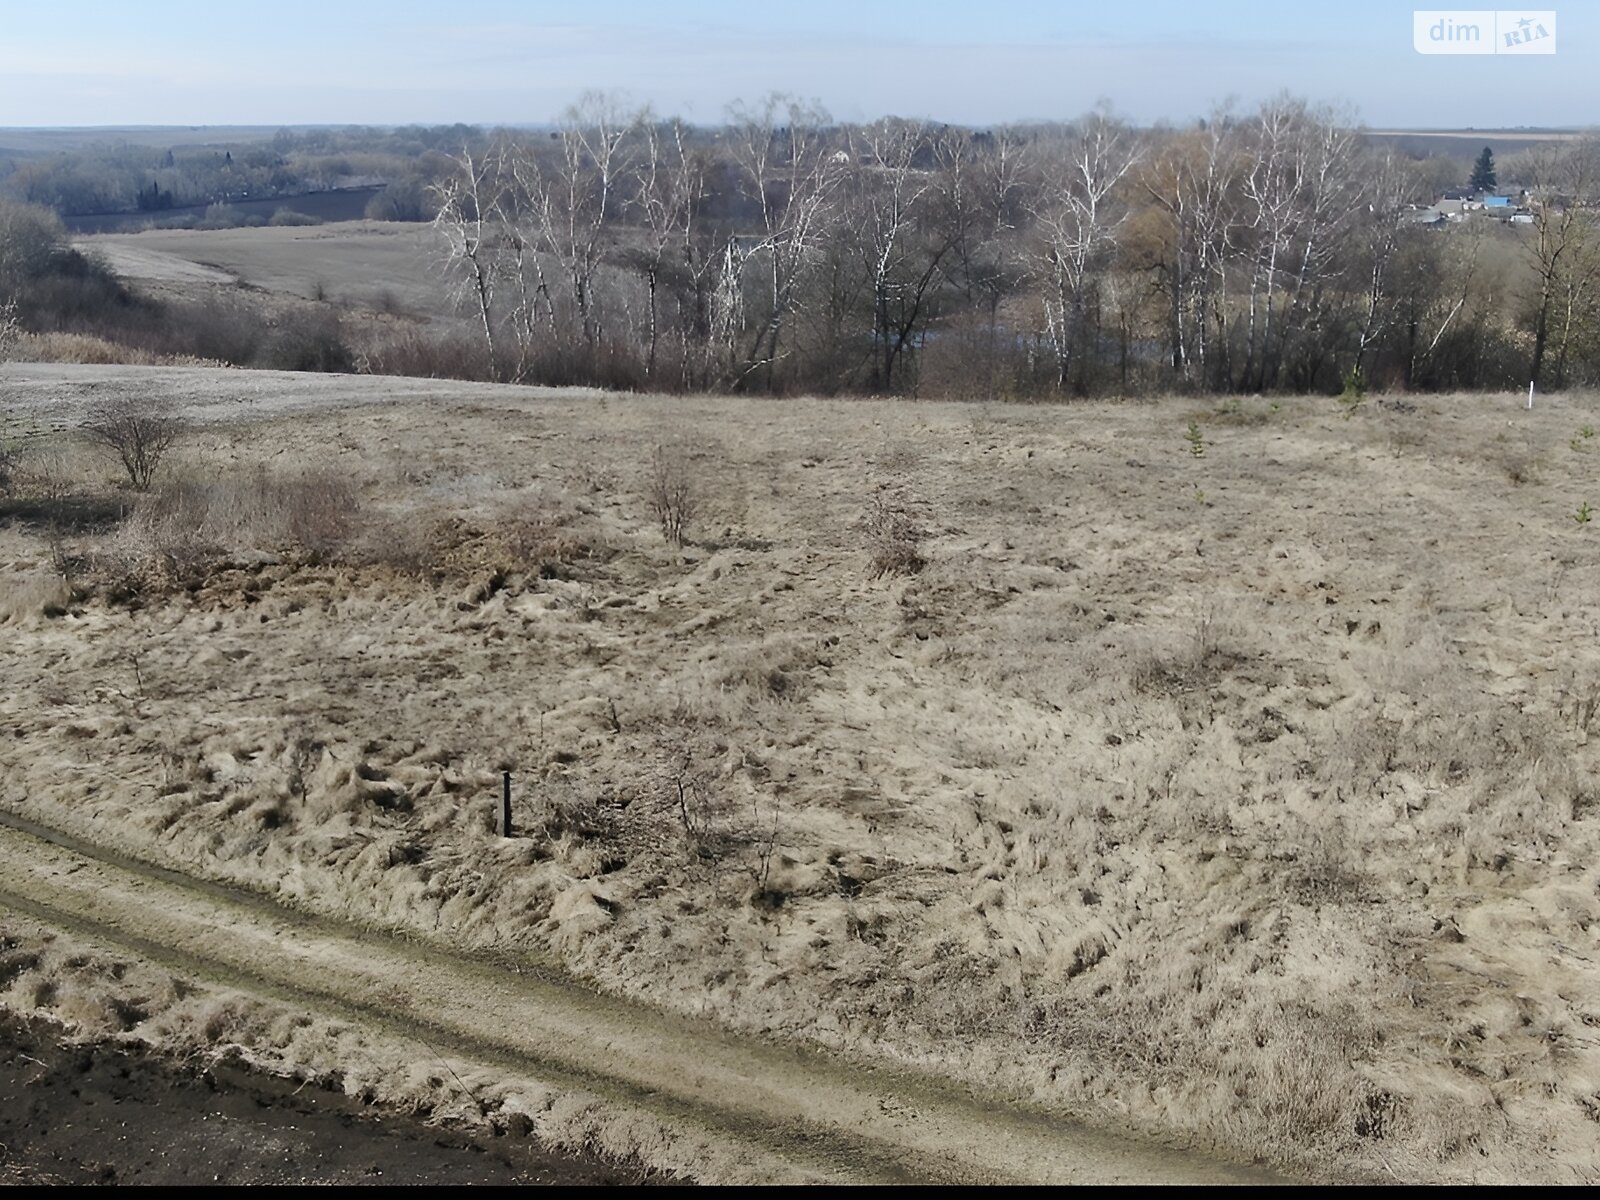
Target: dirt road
{"x": 824, "y": 1120}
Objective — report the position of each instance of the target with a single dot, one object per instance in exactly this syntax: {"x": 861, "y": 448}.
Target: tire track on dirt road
{"x": 829, "y": 1120}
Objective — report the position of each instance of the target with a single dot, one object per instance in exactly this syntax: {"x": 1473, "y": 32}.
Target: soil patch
{"x": 105, "y": 1113}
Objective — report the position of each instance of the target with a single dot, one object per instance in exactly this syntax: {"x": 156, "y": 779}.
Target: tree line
{"x": 134, "y": 178}
{"x": 1276, "y": 249}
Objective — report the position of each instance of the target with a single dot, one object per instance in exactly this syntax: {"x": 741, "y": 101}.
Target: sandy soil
{"x": 1239, "y": 797}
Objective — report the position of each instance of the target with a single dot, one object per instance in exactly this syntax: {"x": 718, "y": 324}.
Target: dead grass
{"x": 192, "y": 527}
{"x": 893, "y": 532}
{"x": 1266, "y": 820}
{"x": 86, "y": 349}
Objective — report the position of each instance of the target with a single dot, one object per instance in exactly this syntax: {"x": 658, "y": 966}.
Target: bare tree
{"x": 1078, "y": 217}
{"x": 791, "y": 176}
{"x": 1194, "y": 182}
{"x": 1252, "y": 252}
{"x": 467, "y": 220}
{"x": 669, "y": 185}
{"x": 980, "y": 202}
{"x": 893, "y": 170}
{"x": 139, "y": 432}
{"x": 1432, "y": 283}
{"x": 10, "y": 330}
{"x": 576, "y": 196}
{"x": 1298, "y": 192}
{"x": 1564, "y": 243}
{"x": 1392, "y": 186}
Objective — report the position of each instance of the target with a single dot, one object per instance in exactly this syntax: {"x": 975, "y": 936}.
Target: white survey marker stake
{"x": 1483, "y": 31}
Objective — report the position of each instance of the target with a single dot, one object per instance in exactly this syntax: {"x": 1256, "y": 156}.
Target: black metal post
{"x": 505, "y": 805}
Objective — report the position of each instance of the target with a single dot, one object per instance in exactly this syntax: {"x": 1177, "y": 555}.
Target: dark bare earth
{"x": 114, "y": 1114}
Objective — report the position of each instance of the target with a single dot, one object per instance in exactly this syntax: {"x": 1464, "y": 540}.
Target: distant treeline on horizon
{"x": 1276, "y": 249}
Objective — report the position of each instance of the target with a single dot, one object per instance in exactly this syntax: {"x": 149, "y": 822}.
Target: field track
{"x": 831, "y": 1122}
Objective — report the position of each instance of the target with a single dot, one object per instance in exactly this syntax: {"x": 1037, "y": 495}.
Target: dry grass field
{"x": 1220, "y": 772}
{"x": 363, "y": 264}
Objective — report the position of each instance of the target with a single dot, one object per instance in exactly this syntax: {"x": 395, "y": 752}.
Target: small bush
{"x": 138, "y": 432}
{"x": 1354, "y": 393}
{"x": 672, "y": 492}
{"x": 309, "y": 342}
{"x": 288, "y": 217}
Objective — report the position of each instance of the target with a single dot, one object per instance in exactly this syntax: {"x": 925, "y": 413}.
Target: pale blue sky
{"x": 125, "y": 62}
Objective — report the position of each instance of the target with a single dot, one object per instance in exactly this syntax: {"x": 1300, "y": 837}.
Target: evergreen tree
{"x": 1483, "y": 178}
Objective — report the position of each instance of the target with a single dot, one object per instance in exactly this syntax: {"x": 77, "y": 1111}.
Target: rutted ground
{"x": 1238, "y": 796}
{"x": 794, "y": 1118}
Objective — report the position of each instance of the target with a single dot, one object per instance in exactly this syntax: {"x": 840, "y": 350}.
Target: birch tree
{"x": 1563, "y": 245}
{"x": 792, "y": 177}
{"x": 1392, "y": 187}
{"x": 1079, "y": 214}
{"x": 897, "y": 186}
{"x": 467, "y": 221}
{"x": 1193, "y": 183}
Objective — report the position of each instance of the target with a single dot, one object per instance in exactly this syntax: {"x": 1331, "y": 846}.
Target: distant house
{"x": 1424, "y": 216}
{"x": 1496, "y": 202}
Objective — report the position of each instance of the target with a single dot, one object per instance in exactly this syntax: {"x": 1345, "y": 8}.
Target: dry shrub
{"x": 97, "y": 351}
{"x": 138, "y": 431}
{"x": 671, "y": 490}
{"x": 567, "y": 812}
{"x": 1578, "y": 699}
{"x": 893, "y": 532}
{"x": 191, "y": 522}
{"x": 411, "y": 544}
{"x": 1213, "y": 640}
{"x": 539, "y": 537}
{"x": 41, "y": 471}
{"x": 426, "y": 355}
{"x": 685, "y": 804}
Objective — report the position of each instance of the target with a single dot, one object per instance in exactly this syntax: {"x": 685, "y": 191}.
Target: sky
{"x": 291, "y": 62}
